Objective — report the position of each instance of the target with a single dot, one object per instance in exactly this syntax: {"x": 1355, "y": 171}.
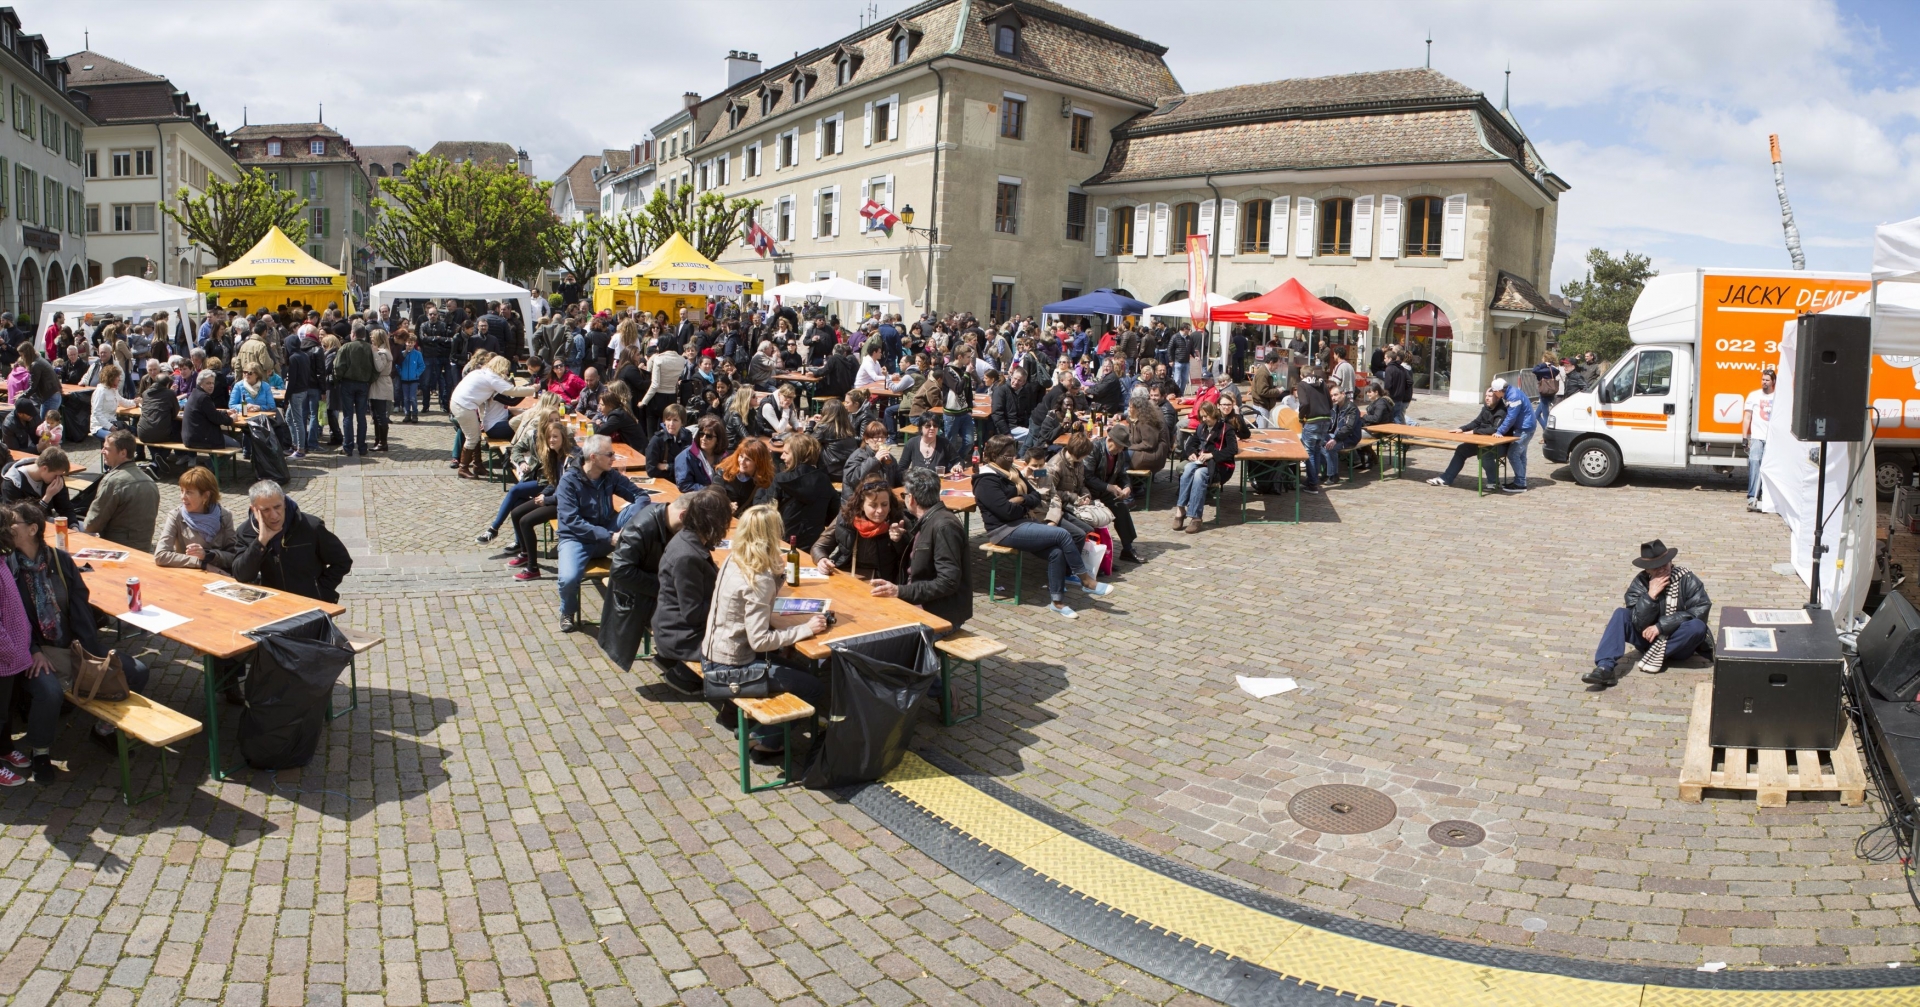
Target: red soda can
{"x": 133, "y": 594}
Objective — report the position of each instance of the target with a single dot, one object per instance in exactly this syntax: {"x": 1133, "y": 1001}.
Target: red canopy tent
{"x": 1290, "y": 304}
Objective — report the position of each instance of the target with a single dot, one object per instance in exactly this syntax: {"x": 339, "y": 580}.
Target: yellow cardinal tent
{"x": 675, "y": 276}
{"x": 275, "y": 272}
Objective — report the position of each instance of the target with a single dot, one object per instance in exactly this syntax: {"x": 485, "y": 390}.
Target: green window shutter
{"x": 4, "y": 201}
{"x": 326, "y": 222}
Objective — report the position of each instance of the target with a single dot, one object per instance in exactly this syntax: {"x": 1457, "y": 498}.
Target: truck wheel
{"x": 1889, "y": 475}
{"x": 1595, "y": 462}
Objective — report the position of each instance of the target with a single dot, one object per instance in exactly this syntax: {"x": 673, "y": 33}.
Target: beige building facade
{"x": 984, "y": 119}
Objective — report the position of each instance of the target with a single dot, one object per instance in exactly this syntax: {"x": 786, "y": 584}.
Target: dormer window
{"x": 273, "y": 148}
{"x": 317, "y": 148}
{"x": 902, "y": 48}
{"x": 802, "y": 82}
{"x": 847, "y": 65}
{"x": 769, "y": 97}
{"x": 1003, "y": 39}
{"x": 736, "y": 112}
{"x": 1004, "y": 27}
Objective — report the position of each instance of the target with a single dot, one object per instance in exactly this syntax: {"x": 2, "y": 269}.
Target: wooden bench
{"x": 1138, "y": 477}
{"x": 781, "y": 711}
{"x": 967, "y": 648}
{"x": 497, "y": 450}
{"x": 232, "y": 455}
{"x": 147, "y": 722}
{"x": 994, "y": 552}
{"x": 361, "y": 643}
{"x": 1349, "y": 455}
{"x": 907, "y": 432}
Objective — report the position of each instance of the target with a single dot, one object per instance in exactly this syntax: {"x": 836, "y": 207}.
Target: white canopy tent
{"x": 839, "y": 288}
{"x": 1896, "y": 251}
{"x": 1182, "y": 308}
{"x": 445, "y": 279}
{"x": 132, "y": 296}
{"x": 789, "y": 291}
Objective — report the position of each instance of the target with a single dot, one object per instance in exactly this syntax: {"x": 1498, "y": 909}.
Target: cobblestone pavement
{"x": 507, "y": 820}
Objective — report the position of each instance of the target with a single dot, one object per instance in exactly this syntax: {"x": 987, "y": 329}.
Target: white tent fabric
{"x": 1896, "y": 251}
{"x": 1182, "y": 307}
{"x": 133, "y": 296}
{"x": 1896, "y": 318}
{"x": 445, "y": 279}
{"x": 790, "y": 291}
{"x": 1790, "y": 475}
{"x": 839, "y": 288}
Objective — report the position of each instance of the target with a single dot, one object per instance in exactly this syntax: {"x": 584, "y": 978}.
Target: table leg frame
{"x": 126, "y": 772}
{"x": 1289, "y": 471}
{"x": 210, "y": 679}
{"x": 741, "y": 732}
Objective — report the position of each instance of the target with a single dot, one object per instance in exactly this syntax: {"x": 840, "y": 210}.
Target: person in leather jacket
{"x": 1664, "y": 618}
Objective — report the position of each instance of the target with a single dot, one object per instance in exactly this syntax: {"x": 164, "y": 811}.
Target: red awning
{"x": 1290, "y": 304}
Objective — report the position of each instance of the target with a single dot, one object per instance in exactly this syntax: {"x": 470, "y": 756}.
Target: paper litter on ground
{"x": 1261, "y": 688}
{"x": 154, "y": 619}
{"x": 1711, "y": 967}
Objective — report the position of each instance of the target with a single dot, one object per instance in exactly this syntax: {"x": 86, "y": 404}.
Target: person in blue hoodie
{"x": 589, "y": 527}
{"x": 1519, "y": 422}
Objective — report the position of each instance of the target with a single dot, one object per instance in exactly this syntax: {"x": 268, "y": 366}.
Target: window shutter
{"x": 1453, "y": 228}
{"x": 1142, "y": 229}
{"x": 1303, "y": 239}
{"x": 1389, "y": 227}
{"x": 815, "y": 213}
{"x": 840, "y": 136}
{"x": 1159, "y": 228}
{"x": 1277, "y": 226}
{"x": 888, "y": 202}
{"x": 1099, "y": 231}
{"x": 818, "y": 126}
{"x": 326, "y": 222}
{"x": 886, "y": 282}
{"x": 869, "y": 118}
{"x": 1206, "y": 219}
{"x": 893, "y": 117}
{"x": 836, "y": 211}
{"x": 1363, "y": 227}
{"x": 1229, "y": 226}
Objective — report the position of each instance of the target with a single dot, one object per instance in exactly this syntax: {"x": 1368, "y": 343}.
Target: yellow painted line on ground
{"x": 1336, "y": 961}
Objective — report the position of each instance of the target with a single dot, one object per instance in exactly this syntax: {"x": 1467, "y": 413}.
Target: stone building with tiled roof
{"x": 326, "y": 170}
{"x": 149, "y": 141}
{"x": 574, "y": 195}
{"x": 1402, "y": 194}
{"x": 43, "y": 235}
{"x": 483, "y": 152}
{"x": 984, "y": 118}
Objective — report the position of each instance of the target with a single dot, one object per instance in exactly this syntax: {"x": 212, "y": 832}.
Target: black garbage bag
{"x": 876, "y": 685}
{"x": 269, "y": 462}
{"x": 76, "y": 412}
{"x": 294, "y": 668}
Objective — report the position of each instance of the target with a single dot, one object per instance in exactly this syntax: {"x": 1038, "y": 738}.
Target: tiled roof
{"x": 385, "y": 156}
{"x": 579, "y": 178}
{"x": 88, "y": 67}
{"x": 482, "y": 151}
{"x": 131, "y": 101}
{"x": 1057, "y": 43}
{"x": 1413, "y": 138}
{"x": 613, "y": 161}
{"x": 294, "y": 137}
{"x": 1512, "y": 293}
{"x": 1287, "y": 98}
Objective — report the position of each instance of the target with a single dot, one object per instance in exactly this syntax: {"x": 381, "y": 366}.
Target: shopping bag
{"x": 1093, "y": 553}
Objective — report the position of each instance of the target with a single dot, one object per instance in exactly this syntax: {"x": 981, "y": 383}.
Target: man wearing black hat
{"x": 1665, "y": 618}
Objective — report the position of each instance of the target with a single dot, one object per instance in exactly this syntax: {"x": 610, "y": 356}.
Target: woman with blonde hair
{"x": 743, "y": 635}
{"x": 742, "y": 420}
{"x": 478, "y": 412}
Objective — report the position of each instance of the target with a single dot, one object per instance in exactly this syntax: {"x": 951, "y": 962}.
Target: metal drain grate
{"x": 1342, "y": 809}
{"x": 1457, "y": 834}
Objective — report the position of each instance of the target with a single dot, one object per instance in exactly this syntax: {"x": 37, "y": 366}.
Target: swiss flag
{"x": 761, "y": 241}
{"x": 879, "y": 215}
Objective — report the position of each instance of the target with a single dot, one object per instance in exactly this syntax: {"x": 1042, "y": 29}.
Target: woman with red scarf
{"x": 868, "y": 538}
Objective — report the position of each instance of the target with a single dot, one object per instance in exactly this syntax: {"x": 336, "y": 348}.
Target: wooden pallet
{"x": 1771, "y": 773}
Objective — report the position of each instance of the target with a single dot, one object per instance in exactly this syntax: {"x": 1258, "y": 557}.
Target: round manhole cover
{"x": 1458, "y": 834}
{"x": 1342, "y": 809}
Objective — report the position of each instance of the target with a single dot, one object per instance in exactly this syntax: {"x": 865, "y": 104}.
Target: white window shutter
{"x": 1303, "y": 236}
{"x": 818, "y": 126}
{"x": 1159, "y": 228}
{"x": 815, "y": 214}
{"x": 1142, "y": 229}
{"x": 840, "y": 137}
{"x": 1206, "y": 219}
{"x": 886, "y": 281}
{"x": 1229, "y": 226}
{"x": 1277, "y": 229}
{"x": 1363, "y": 227}
{"x": 893, "y": 117}
{"x": 1453, "y": 228}
{"x": 869, "y": 114}
{"x": 836, "y": 211}
{"x": 1099, "y": 231}
{"x": 889, "y": 200}
{"x": 1389, "y": 227}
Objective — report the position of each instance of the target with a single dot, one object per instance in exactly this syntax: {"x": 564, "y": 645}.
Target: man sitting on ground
{"x": 1665, "y": 618}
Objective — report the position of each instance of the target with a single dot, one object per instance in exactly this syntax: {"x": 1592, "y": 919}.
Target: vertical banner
{"x": 1197, "y": 305}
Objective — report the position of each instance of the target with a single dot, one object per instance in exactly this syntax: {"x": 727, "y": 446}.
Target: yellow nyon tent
{"x": 275, "y": 272}
{"x": 675, "y": 276}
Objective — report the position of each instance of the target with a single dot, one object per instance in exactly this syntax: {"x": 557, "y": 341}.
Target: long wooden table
{"x": 1487, "y": 447}
{"x": 215, "y": 626}
{"x": 1279, "y": 451}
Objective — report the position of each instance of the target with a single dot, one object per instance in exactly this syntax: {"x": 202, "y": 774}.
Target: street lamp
{"x": 933, "y": 235}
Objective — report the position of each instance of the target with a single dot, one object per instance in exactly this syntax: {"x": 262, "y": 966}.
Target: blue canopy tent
{"x": 1100, "y": 302}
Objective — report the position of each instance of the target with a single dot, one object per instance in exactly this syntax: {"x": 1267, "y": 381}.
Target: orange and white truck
{"x": 1700, "y": 340}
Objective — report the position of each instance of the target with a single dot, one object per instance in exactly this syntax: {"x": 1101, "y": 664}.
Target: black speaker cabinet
{"x": 1894, "y": 728}
{"x": 1831, "y": 368}
{"x": 1776, "y": 680}
{"x": 1889, "y": 650}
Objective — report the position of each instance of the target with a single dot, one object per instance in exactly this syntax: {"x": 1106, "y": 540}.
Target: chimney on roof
{"x": 690, "y": 99}
{"x": 741, "y": 65}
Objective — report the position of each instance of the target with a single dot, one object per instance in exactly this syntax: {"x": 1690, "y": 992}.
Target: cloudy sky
{"x": 1657, "y": 113}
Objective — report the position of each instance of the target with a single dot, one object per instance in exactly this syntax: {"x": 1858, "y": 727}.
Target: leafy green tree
{"x": 710, "y": 221}
{"x": 627, "y": 238}
{"x": 231, "y": 217}
{"x": 1603, "y": 300}
{"x": 575, "y": 246}
{"x": 401, "y": 242}
{"x": 481, "y": 215}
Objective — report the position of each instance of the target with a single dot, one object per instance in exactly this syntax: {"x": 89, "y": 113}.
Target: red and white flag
{"x": 761, "y": 241}
{"x": 877, "y": 213}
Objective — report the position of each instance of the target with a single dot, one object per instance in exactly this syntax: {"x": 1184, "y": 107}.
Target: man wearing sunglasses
{"x": 589, "y": 527}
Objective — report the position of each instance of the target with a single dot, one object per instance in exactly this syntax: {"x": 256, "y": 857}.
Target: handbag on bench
{"x": 98, "y": 678}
